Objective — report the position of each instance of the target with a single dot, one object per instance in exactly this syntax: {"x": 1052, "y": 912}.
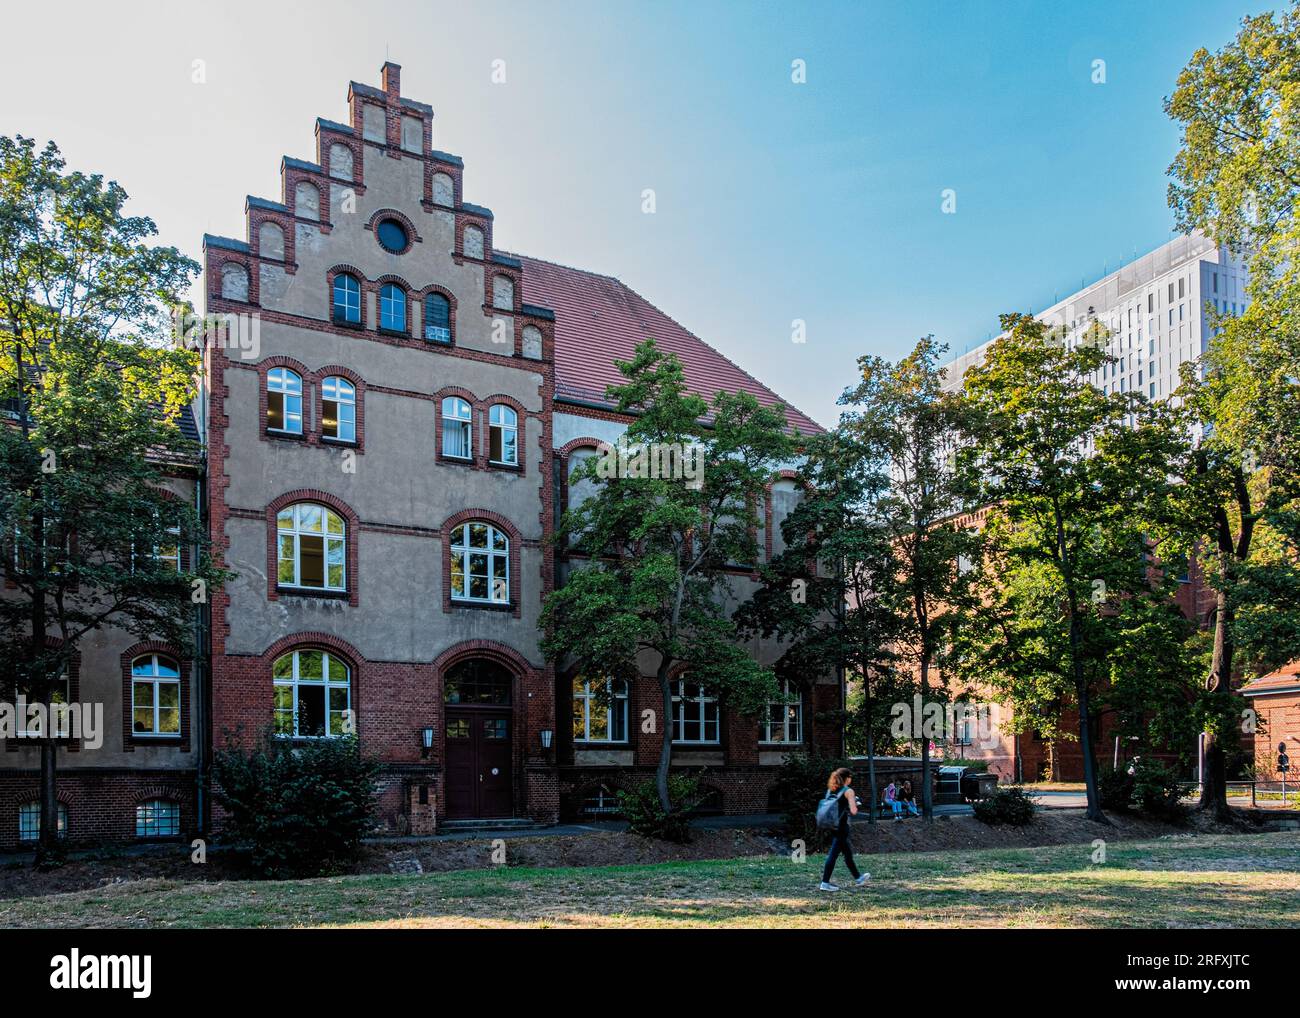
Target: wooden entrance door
{"x": 478, "y": 764}
{"x": 479, "y": 744}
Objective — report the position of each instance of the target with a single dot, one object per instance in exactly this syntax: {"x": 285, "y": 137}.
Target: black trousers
{"x": 839, "y": 844}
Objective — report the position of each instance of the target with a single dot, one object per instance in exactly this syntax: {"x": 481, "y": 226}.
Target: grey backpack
{"x": 828, "y": 811}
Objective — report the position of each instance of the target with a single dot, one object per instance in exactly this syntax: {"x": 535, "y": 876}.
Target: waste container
{"x": 978, "y": 785}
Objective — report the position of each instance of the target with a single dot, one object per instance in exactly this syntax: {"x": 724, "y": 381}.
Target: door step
{"x": 504, "y": 824}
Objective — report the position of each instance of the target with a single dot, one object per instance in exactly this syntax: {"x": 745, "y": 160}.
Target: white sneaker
{"x": 862, "y": 879}
{"x": 827, "y": 887}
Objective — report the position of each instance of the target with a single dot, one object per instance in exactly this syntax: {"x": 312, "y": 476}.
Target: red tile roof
{"x": 598, "y": 319}
{"x": 1286, "y": 677}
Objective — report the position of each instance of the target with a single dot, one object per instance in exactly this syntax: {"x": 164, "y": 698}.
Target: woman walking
{"x": 837, "y": 787}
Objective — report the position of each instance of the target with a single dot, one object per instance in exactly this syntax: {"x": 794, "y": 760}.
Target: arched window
{"x": 312, "y": 547}
{"x": 477, "y": 681}
{"x": 234, "y": 281}
{"x": 338, "y": 409}
{"x": 392, "y": 308}
{"x": 155, "y": 696}
{"x": 599, "y": 710}
{"x": 29, "y": 821}
{"x": 456, "y": 428}
{"x": 284, "y": 401}
{"x": 503, "y": 293}
{"x": 437, "y": 318}
{"x": 471, "y": 242}
{"x": 785, "y": 497}
{"x": 347, "y": 298}
{"x": 313, "y": 694}
{"x": 503, "y": 435}
{"x": 480, "y": 564}
{"x": 695, "y": 713}
{"x": 158, "y": 818}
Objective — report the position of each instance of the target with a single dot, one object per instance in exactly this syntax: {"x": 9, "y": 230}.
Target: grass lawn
{"x": 1194, "y": 880}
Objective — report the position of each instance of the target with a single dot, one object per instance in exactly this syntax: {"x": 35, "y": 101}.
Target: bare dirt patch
{"x": 172, "y": 863}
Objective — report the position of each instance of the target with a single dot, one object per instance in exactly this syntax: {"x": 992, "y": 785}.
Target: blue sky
{"x": 774, "y": 201}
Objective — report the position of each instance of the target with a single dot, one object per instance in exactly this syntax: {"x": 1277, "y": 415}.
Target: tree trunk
{"x": 1214, "y": 764}
{"x": 666, "y": 745}
{"x": 871, "y": 770}
{"x": 927, "y": 794}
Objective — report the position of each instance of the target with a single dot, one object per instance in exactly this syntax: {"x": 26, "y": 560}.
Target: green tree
{"x": 1070, "y": 482}
{"x": 906, "y": 424}
{"x": 1237, "y": 176}
{"x": 93, "y": 394}
{"x": 832, "y": 595}
{"x": 654, "y": 583}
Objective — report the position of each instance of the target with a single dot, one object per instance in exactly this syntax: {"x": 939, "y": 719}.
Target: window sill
{"x": 349, "y": 324}
{"x": 510, "y": 468}
{"x": 464, "y": 461}
{"x": 286, "y": 436}
{"x": 344, "y": 443}
{"x": 156, "y": 738}
{"x": 328, "y": 595}
{"x": 398, "y": 333}
{"x": 491, "y": 606}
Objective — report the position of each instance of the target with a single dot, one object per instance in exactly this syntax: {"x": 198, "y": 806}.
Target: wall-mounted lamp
{"x": 426, "y": 740}
{"x": 547, "y": 736}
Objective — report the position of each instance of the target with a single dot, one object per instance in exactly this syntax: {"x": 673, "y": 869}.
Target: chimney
{"x": 392, "y": 79}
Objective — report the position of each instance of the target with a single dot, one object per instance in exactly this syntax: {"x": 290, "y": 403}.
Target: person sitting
{"x": 891, "y": 799}
{"x": 908, "y": 797}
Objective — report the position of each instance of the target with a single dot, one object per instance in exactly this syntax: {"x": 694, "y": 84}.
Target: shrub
{"x": 800, "y": 784}
{"x": 645, "y": 814}
{"x": 1009, "y": 805}
{"x": 1115, "y": 789}
{"x": 1157, "y": 791}
{"x": 297, "y": 809}
{"x": 970, "y": 765}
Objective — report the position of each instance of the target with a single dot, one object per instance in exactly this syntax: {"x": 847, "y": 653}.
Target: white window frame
{"x": 704, "y": 711}
{"x": 789, "y": 727}
{"x": 296, "y": 531}
{"x": 392, "y": 297}
{"x": 290, "y": 392}
{"x": 343, "y": 394}
{"x": 158, "y": 818}
{"x": 457, "y": 420}
{"x": 59, "y": 697}
{"x": 350, "y": 287}
{"x": 294, "y": 681}
{"x": 504, "y": 418}
{"x": 461, "y": 554}
{"x": 614, "y": 710}
{"x": 153, "y": 679}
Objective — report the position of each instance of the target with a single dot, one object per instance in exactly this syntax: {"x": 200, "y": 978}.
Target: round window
{"x": 393, "y": 236}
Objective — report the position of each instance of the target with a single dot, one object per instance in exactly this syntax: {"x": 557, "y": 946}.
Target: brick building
{"x": 386, "y": 471}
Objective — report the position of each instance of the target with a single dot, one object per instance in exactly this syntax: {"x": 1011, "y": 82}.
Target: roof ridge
{"x": 703, "y": 342}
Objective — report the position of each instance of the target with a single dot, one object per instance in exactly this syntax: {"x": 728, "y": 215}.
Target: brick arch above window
{"x": 506, "y": 526}
{"x": 565, "y": 453}
{"x": 264, "y": 368}
{"x": 476, "y": 412}
{"x": 377, "y": 287}
{"x": 352, "y": 527}
{"x": 359, "y": 384}
{"x": 442, "y": 291}
{"x": 146, "y": 648}
{"x": 521, "y": 423}
{"x": 331, "y": 275}
{"x": 493, "y": 650}
{"x": 320, "y": 641}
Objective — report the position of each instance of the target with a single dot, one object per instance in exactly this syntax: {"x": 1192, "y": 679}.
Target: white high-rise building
{"x": 1157, "y": 310}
